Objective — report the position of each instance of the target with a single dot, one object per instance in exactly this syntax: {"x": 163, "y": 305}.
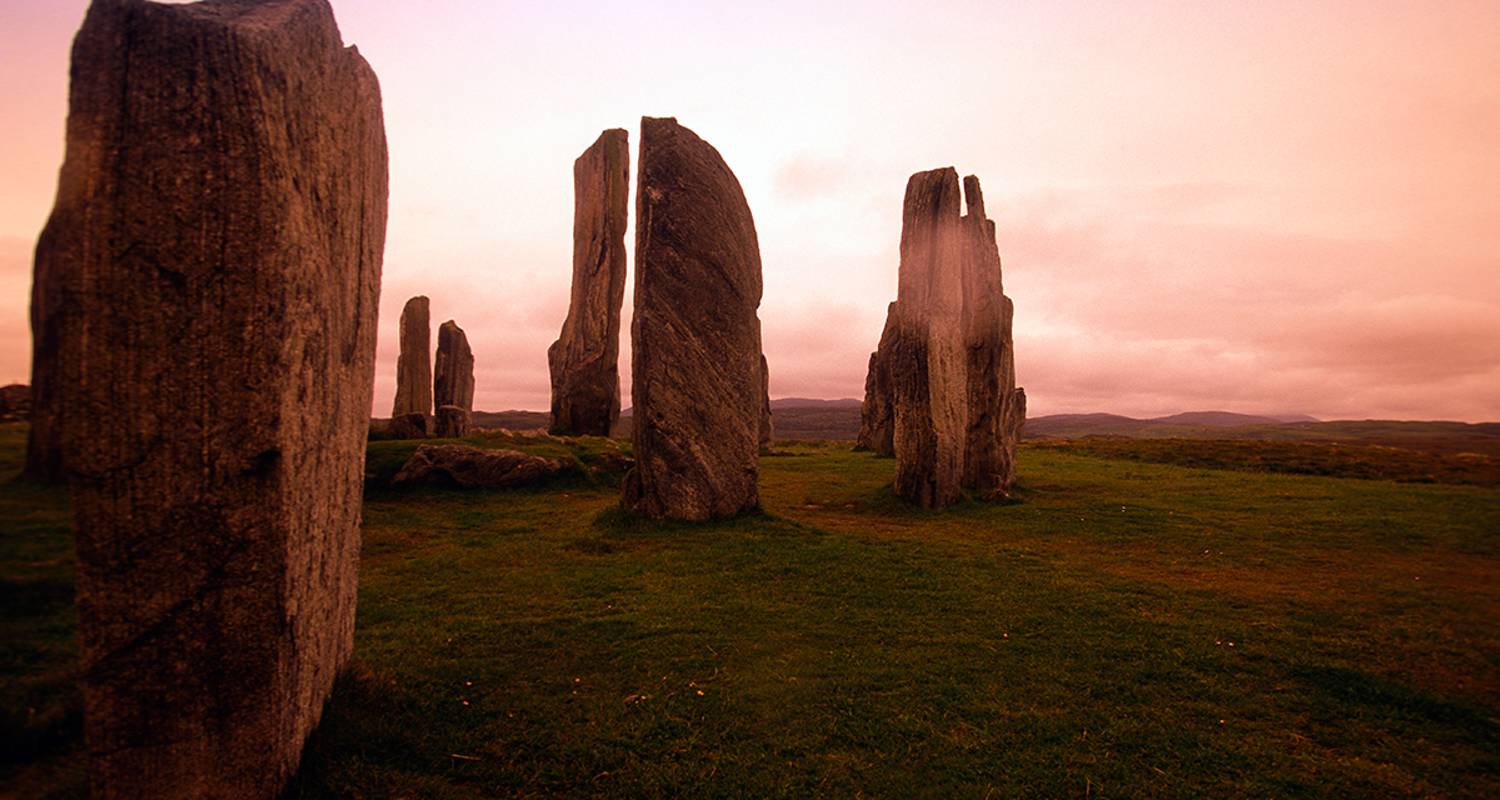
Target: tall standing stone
{"x": 986, "y": 460}
{"x": 413, "y": 406}
{"x": 696, "y": 377}
{"x": 219, "y": 223}
{"x": 584, "y": 361}
{"x": 51, "y": 310}
{"x": 767, "y": 427}
{"x": 453, "y": 382}
{"x": 877, "y": 421}
{"x": 927, "y": 364}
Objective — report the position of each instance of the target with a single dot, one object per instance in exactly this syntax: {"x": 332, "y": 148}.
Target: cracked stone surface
{"x": 584, "y": 361}
{"x": 216, "y": 242}
{"x": 696, "y": 378}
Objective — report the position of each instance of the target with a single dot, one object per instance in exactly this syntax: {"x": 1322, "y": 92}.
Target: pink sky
{"x": 1260, "y": 207}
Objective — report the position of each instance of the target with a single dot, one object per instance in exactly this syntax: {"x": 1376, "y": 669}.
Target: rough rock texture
{"x": 877, "y": 422}
{"x": 52, "y": 312}
{"x": 408, "y": 426}
{"x": 15, "y": 403}
{"x": 452, "y": 422}
{"x": 584, "y": 361}
{"x": 413, "y": 372}
{"x": 986, "y": 346}
{"x": 1012, "y": 425}
{"x": 219, "y": 226}
{"x": 473, "y": 468}
{"x": 767, "y": 427}
{"x": 453, "y": 381}
{"x": 927, "y": 365}
{"x": 696, "y": 375}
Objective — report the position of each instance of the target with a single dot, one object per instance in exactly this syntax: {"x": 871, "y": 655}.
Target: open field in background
{"x": 1124, "y": 628}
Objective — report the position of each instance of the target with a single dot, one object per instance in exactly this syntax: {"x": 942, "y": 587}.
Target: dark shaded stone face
{"x": 877, "y": 420}
{"x": 413, "y": 371}
{"x": 453, "y": 375}
{"x": 217, "y": 243}
{"x": 697, "y": 378}
{"x": 584, "y": 361}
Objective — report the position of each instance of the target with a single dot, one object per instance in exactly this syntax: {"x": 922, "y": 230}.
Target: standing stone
{"x": 413, "y": 372}
{"x": 696, "y": 377}
{"x": 927, "y": 365}
{"x": 453, "y": 382}
{"x": 877, "y": 420}
{"x": 767, "y": 427}
{"x": 51, "y": 310}
{"x": 1015, "y": 421}
{"x": 989, "y": 385}
{"x": 219, "y": 224}
{"x": 584, "y": 361}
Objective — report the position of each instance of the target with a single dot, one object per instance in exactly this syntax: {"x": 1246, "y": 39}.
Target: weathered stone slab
{"x": 767, "y": 426}
{"x": 474, "y": 468}
{"x": 413, "y": 371}
{"x": 927, "y": 365}
{"x": 15, "y": 403}
{"x": 986, "y": 461}
{"x": 452, "y": 422}
{"x": 877, "y": 422}
{"x": 453, "y": 381}
{"x": 696, "y": 380}
{"x": 219, "y": 224}
{"x": 584, "y": 361}
{"x": 409, "y": 426}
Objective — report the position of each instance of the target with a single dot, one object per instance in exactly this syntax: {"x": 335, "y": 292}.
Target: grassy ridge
{"x": 1328, "y": 458}
{"x": 1124, "y": 629}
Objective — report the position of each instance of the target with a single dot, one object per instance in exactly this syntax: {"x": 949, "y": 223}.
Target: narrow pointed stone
{"x": 926, "y": 362}
{"x": 453, "y": 382}
{"x": 987, "y": 462}
{"x": 584, "y": 361}
{"x": 217, "y": 241}
{"x": 877, "y": 421}
{"x": 767, "y": 427}
{"x": 696, "y": 377}
{"x": 413, "y": 405}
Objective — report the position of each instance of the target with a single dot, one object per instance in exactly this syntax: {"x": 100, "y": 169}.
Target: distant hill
{"x": 838, "y": 420}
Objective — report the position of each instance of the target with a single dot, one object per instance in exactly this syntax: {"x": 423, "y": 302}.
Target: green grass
{"x": 1343, "y": 459}
{"x": 1123, "y": 629}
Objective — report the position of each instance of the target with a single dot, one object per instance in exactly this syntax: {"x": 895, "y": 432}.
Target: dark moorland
{"x": 1124, "y": 628}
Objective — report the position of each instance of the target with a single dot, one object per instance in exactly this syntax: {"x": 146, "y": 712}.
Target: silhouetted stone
{"x": 696, "y": 337}
{"x": 767, "y": 427}
{"x": 219, "y": 228}
{"x": 15, "y": 403}
{"x": 452, "y": 422}
{"x": 52, "y": 311}
{"x": 584, "y": 361}
{"x": 473, "y": 468}
{"x": 408, "y": 426}
{"x": 453, "y": 375}
{"x": 413, "y": 372}
{"x": 926, "y": 363}
{"x": 986, "y": 460}
{"x": 877, "y": 421}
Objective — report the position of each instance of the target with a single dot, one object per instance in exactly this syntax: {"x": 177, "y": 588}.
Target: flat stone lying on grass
{"x": 474, "y": 468}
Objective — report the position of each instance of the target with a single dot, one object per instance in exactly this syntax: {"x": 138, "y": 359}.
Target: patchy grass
{"x": 1328, "y": 458}
{"x": 1121, "y": 629}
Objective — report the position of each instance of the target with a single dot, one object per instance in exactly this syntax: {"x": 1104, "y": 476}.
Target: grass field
{"x": 1123, "y": 629}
